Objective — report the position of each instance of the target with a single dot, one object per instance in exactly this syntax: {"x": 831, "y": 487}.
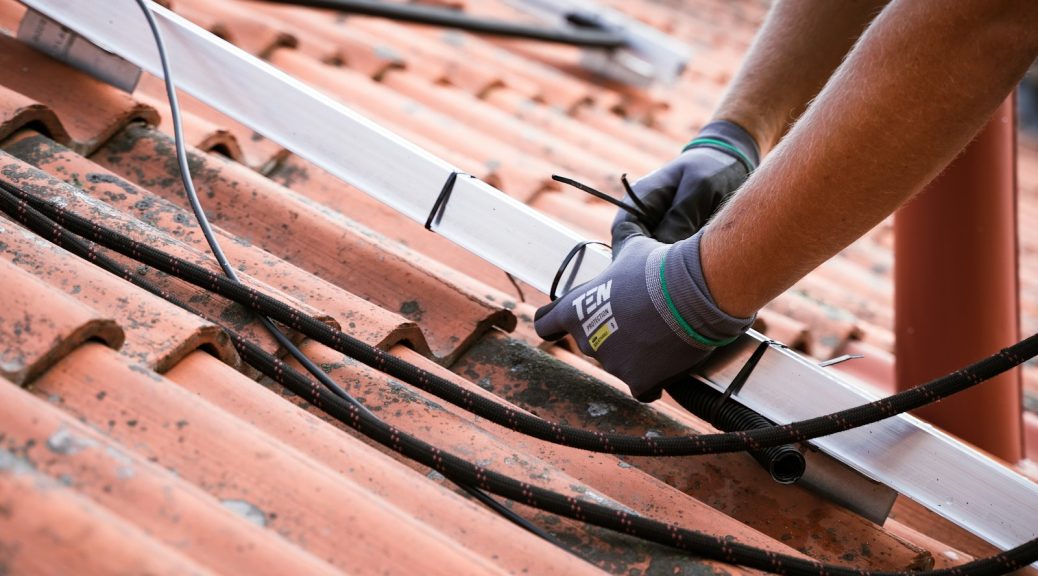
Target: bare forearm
{"x": 797, "y": 49}
{"x": 921, "y": 82}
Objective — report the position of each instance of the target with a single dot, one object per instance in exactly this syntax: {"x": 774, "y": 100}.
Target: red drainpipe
{"x": 956, "y": 287}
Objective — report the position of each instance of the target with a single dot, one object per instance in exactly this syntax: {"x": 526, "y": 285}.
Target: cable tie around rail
{"x": 515, "y": 284}
{"x": 578, "y": 249}
{"x": 744, "y": 374}
{"x": 440, "y": 205}
{"x": 639, "y": 210}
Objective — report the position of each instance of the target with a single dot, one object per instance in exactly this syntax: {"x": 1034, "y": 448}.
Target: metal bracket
{"x": 59, "y": 42}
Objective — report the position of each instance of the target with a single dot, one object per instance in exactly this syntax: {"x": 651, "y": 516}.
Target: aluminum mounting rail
{"x": 903, "y": 453}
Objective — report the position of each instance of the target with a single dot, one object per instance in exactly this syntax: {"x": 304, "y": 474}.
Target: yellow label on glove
{"x": 604, "y": 331}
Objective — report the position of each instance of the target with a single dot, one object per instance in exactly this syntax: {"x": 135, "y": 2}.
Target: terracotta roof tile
{"x": 366, "y": 321}
{"x": 208, "y": 129}
{"x": 733, "y": 483}
{"x": 142, "y": 493}
{"x": 49, "y": 528}
{"x": 213, "y": 307}
{"x": 18, "y": 111}
{"x": 42, "y": 324}
{"x": 11, "y": 13}
{"x": 90, "y": 110}
{"x": 288, "y": 492}
{"x": 459, "y": 432}
{"x": 157, "y": 333}
{"x": 327, "y": 38}
{"x": 271, "y": 217}
{"x": 521, "y": 175}
{"x": 250, "y": 30}
{"x": 321, "y": 187}
{"x": 382, "y": 475}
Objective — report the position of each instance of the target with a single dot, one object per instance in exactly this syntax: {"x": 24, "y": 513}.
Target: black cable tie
{"x": 637, "y": 211}
{"x": 579, "y": 248}
{"x": 634, "y": 197}
{"x": 740, "y": 379}
{"x": 518, "y": 289}
{"x": 440, "y": 205}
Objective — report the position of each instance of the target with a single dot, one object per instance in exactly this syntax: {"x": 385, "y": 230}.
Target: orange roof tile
{"x": 89, "y": 110}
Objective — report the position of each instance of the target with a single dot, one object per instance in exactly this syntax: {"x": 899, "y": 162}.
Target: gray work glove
{"x": 682, "y": 195}
{"x": 647, "y": 318}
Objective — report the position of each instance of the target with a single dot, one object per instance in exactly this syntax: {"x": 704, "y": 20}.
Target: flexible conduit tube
{"x": 785, "y": 463}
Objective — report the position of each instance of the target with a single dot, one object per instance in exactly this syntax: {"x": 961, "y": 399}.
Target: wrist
{"x": 730, "y": 138}
{"x": 681, "y": 296}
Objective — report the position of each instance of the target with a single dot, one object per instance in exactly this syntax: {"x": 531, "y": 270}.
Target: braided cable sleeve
{"x": 467, "y": 473}
{"x": 15, "y": 201}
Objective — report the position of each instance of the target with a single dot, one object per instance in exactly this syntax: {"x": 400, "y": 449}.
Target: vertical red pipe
{"x": 955, "y": 287}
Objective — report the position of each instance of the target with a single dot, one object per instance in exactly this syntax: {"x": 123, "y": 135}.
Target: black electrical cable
{"x": 228, "y": 269}
{"x": 13, "y": 202}
{"x": 41, "y": 216}
{"x": 203, "y": 221}
{"x": 585, "y": 30}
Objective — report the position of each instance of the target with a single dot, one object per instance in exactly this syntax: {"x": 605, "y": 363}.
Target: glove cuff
{"x": 678, "y": 290}
{"x": 730, "y": 138}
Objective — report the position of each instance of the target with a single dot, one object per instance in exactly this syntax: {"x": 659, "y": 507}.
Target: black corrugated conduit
{"x": 785, "y": 463}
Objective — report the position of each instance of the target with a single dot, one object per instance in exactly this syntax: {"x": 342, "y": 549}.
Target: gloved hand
{"x": 683, "y": 194}
{"x": 647, "y": 318}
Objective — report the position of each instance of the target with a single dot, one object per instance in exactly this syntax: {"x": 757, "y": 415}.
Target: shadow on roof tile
{"x": 18, "y": 112}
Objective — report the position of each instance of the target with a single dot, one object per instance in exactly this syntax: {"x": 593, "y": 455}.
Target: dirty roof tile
{"x": 152, "y": 498}
{"x": 40, "y": 324}
{"x": 293, "y": 495}
{"x": 90, "y": 110}
{"x": 734, "y": 483}
{"x": 370, "y": 323}
{"x": 376, "y": 472}
{"x": 456, "y": 431}
{"x": 49, "y": 528}
{"x": 17, "y": 112}
{"x": 74, "y": 199}
{"x": 157, "y": 333}
{"x": 451, "y": 308}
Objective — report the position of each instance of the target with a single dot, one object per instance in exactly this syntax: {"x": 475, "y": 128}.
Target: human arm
{"x": 917, "y": 87}
{"x": 913, "y": 92}
{"x": 793, "y": 54}
{"x": 798, "y": 47}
